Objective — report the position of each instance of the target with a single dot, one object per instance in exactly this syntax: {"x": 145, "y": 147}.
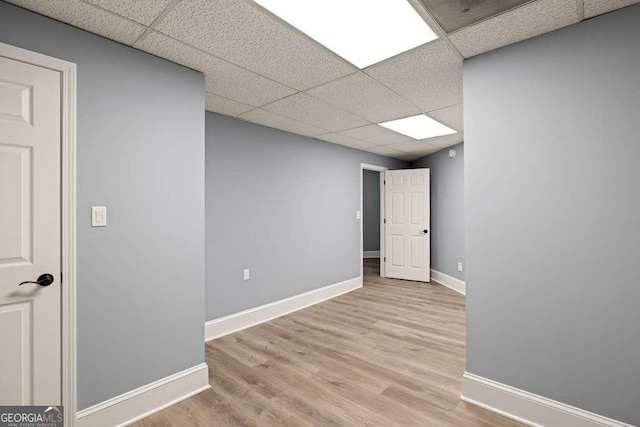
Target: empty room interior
{"x": 319, "y": 213}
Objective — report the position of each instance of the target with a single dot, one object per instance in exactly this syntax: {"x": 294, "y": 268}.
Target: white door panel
{"x": 29, "y": 234}
{"x": 407, "y": 214}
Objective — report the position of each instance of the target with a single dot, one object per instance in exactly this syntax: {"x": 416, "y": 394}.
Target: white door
{"x": 407, "y": 214}
{"x": 30, "y": 331}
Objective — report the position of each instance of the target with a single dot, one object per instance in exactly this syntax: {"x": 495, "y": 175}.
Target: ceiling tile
{"x": 87, "y": 17}
{"x": 429, "y": 76}
{"x": 221, "y": 77}
{"x": 450, "y": 116}
{"x": 244, "y": 34}
{"x": 218, "y": 104}
{"x": 307, "y": 109}
{"x": 411, "y": 146}
{"x": 142, "y": 11}
{"x": 270, "y": 119}
{"x": 598, "y": 7}
{"x": 376, "y": 135}
{"x": 385, "y": 151}
{"x": 426, "y": 152}
{"x": 528, "y": 21}
{"x": 336, "y": 138}
{"x": 445, "y": 141}
{"x": 361, "y": 95}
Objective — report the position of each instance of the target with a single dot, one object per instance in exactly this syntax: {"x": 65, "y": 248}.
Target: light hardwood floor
{"x": 389, "y": 354}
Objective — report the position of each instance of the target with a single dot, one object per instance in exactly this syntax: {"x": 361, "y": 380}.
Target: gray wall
{"x": 282, "y": 205}
{"x": 370, "y": 210}
{"x": 551, "y": 177}
{"x": 447, "y": 209}
{"x": 140, "y": 135}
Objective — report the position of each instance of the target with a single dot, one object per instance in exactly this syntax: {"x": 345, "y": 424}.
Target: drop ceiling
{"x": 260, "y": 69}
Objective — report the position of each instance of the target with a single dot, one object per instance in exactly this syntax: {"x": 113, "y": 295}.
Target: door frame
{"x": 381, "y": 169}
{"x": 68, "y": 72}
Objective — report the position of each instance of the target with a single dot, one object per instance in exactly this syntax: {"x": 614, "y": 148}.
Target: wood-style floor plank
{"x": 389, "y": 354}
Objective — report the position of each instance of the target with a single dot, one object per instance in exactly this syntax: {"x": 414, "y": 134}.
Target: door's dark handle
{"x": 43, "y": 280}
{"x": 425, "y": 231}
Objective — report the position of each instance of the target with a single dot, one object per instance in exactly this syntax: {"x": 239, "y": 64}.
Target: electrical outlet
{"x": 246, "y": 275}
{"x": 460, "y": 267}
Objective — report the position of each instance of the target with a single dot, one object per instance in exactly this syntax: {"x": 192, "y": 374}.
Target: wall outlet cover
{"x": 98, "y": 216}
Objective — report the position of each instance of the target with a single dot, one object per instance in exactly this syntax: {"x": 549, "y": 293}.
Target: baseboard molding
{"x": 448, "y": 281}
{"x": 226, "y": 325}
{"x": 140, "y": 403}
{"x": 528, "y": 408}
{"x": 371, "y": 254}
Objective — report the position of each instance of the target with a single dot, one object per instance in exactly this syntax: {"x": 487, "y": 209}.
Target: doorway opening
{"x": 403, "y": 217}
{"x": 372, "y": 219}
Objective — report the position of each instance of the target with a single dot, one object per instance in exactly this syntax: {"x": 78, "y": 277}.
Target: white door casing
{"x": 30, "y": 233}
{"x": 407, "y": 216}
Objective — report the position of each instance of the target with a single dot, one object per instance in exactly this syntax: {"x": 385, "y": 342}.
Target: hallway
{"x": 391, "y": 353}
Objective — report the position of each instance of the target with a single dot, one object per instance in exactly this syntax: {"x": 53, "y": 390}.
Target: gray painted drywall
{"x": 552, "y": 208}
{"x": 140, "y": 152}
{"x": 282, "y": 205}
{"x": 447, "y": 209}
{"x": 370, "y": 210}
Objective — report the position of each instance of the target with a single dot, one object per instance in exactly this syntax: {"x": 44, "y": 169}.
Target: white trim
{"x": 68, "y": 214}
{"x": 448, "y": 281}
{"x": 226, "y": 325}
{"x": 363, "y": 167}
{"x": 140, "y": 403}
{"x": 371, "y": 254}
{"x": 528, "y": 408}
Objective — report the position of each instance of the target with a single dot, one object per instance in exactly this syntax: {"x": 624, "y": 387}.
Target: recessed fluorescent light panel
{"x": 418, "y": 127}
{"x": 361, "y": 31}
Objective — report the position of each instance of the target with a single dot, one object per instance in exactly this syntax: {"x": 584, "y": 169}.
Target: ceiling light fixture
{"x": 363, "y": 32}
{"x": 418, "y": 127}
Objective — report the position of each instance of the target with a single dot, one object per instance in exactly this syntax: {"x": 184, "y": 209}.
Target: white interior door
{"x": 30, "y": 322}
{"x": 407, "y": 216}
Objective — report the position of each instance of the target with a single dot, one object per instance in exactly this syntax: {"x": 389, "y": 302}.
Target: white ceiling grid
{"x": 261, "y": 69}
{"x": 267, "y": 118}
{"x": 221, "y": 77}
{"x": 313, "y": 111}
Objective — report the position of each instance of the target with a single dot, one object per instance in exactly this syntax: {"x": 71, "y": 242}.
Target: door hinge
{"x": 61, "y": 277}
{"x": 385, "y": 221}
{"x": 384, "y": 182}
{"x": 385, "y": 259}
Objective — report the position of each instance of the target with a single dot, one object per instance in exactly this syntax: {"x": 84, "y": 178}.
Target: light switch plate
{"x": 460, "y": 267}
{"x": 358, "y": 215}
{"x": 246, "y": 274}
{"x": 98, "y": 216}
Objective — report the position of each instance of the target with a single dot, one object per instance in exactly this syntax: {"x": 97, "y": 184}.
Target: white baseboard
{"x": 140, "y": 403}
{"x": 371, "y": 254}
{"x": 528, "y": 408}
{"x": 448, "y": 281}
{"x": 226, "y": 325}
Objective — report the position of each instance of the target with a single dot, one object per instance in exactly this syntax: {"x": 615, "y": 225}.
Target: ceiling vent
{"x": 454, "y": 15}
{"x": 468, "y": 4}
